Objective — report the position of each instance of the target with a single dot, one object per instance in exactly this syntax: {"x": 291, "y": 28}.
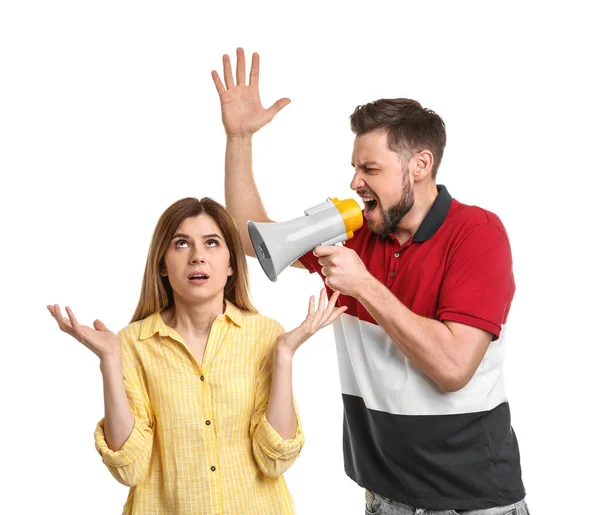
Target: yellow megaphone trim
{"x": 351, "y": 214}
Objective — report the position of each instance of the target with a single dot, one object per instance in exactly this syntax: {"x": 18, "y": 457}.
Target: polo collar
{"x": 435, "y": 217}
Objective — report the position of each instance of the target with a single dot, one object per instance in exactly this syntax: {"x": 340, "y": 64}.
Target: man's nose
{"x": 357, "y": 182}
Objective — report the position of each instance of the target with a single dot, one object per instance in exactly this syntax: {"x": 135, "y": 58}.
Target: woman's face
{"x": 197, "y": 261}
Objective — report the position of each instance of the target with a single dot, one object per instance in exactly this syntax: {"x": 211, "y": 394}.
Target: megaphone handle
{"x": 337, "y": 239}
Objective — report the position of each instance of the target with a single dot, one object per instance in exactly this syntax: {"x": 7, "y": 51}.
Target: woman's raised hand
{"x": 99, "y": 339}
{"x": 325, "y": 313}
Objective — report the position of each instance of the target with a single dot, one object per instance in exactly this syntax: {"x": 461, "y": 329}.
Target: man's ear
{"x": 423, "y": 163}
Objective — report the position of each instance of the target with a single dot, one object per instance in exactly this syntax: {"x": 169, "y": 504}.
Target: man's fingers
{"x": 278, "y": 106}
{"x": 218, "y": 84}
{"x": 240, "y": 68}
{"x": 327, "y": 260}
{"x": 325, "y": 250}
{"x": 254, "y": 70}
{"x": 227, "y": 73}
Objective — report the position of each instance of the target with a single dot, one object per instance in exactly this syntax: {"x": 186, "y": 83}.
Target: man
{"x": 428, "y": 283}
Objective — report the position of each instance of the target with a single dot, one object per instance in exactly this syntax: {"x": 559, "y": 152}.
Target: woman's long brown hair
{"x": 157, "y": 294}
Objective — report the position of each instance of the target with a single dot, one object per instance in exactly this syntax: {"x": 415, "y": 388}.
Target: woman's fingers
{"x": 99, "y": 326}
{"x": 311, "y": 305}
{"x": 74, "y": 323}
{"x": 335, "y": 314}
{"x": 321, "y": 307}
{"x": 326, "y": 311}
{"x": 322, "y": 297}
{"x": 63, "y": 323}
{"x": 331, "y": 305}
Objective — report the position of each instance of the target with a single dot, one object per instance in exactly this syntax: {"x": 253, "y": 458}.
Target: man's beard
{"x": 393, "y": 215}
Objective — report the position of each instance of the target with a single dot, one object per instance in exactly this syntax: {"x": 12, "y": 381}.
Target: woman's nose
{"x": 197, "y": 257}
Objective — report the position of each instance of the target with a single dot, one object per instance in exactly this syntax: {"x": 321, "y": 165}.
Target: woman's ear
{"x": 162, "y": 268}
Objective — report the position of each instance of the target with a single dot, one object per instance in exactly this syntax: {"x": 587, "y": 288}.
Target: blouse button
{"x": 213, "y": 468}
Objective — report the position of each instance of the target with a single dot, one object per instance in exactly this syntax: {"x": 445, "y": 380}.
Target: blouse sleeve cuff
{"x": 274, "y": 445}
{"x": 133, "y": 448}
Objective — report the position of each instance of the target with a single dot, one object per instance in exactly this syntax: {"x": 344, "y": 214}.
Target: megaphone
{"x": 278, "y": 244}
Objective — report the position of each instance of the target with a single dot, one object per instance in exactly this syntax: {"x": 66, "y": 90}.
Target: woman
{"x": 199, "y": 410}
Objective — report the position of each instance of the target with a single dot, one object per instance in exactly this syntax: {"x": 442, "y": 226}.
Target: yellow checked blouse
{"x": 201, "y": 443}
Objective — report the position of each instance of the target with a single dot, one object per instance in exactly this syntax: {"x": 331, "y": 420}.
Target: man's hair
{"x": 410, "y": 127}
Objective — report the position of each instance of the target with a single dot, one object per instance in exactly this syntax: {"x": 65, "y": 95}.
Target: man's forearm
{"x": 427, "y": 343}
{"x": 242, "y": 198}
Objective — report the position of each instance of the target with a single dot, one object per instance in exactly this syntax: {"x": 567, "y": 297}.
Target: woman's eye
{"x": 181, "y": 243}
{"x": 212, "y": 243}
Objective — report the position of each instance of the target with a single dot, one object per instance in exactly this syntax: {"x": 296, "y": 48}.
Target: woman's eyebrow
{"x": 186, "y": 236}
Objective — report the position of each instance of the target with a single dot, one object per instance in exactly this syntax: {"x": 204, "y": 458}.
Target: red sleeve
{"x": 310, "y": 261}
{"x": 478, "y": 285}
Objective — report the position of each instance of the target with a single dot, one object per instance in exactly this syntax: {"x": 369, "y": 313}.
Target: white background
{"x": 108, "y": 114}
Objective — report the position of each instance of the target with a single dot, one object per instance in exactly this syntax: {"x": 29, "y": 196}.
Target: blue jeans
{"x": 378, "y": 505}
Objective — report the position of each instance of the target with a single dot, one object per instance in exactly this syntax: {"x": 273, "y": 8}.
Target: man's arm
{"x": 243, "y": 115}
{"x": 242, "y": 198}
{"x": 473, "y": 303}
{"x": 447, "y": 352}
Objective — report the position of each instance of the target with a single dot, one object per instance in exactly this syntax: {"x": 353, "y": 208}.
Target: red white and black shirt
{"x": 404, "y": 438}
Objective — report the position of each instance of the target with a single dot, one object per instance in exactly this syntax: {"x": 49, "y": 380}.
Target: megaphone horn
{"x": 278, "y": 244}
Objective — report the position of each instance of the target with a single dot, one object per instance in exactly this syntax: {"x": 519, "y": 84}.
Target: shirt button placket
{"x": 214, "y": 336}
{"x": 394, "y": 265}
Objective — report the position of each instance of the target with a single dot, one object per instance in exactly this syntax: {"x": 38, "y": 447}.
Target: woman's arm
{"x": 107, "y": 346}
{"x": 124, "y": 436}
{"x": 118, "y": 419}
{"x": 275, "y": 431}
{"x": 280, "y": 412}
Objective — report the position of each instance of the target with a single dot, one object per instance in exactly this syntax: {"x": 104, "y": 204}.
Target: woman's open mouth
{"x": 197, "y": 278}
